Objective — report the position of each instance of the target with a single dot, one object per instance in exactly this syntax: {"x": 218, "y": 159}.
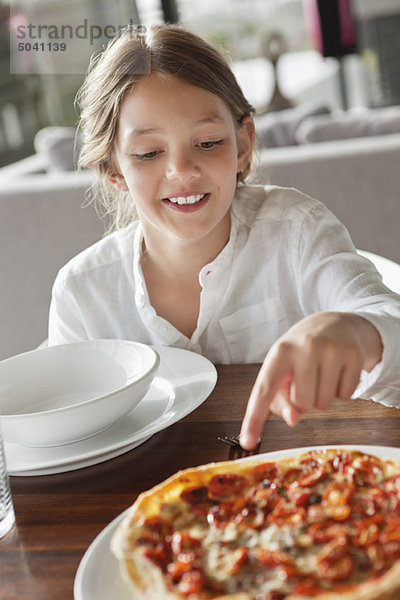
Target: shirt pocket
{"x": 250, "y": 331}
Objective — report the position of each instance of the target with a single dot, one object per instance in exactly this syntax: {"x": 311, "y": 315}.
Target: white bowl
{"x": 63, "y": 394}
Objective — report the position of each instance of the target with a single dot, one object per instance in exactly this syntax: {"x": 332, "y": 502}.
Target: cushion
{"x": 278, "y": 128}
{"x": 59, "y": 147}
{"x": 351, "y": 124}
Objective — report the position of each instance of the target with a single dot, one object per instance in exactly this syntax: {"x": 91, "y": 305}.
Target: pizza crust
{"x": 147, "y": 582}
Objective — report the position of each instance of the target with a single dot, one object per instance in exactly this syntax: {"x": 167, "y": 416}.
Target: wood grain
{"x": 58, "y": 516}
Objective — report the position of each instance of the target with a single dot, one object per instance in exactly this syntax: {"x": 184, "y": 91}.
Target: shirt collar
{"x": 224, "y": 259}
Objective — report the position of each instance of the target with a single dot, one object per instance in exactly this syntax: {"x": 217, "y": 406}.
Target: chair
{"x": 389, "y": 269}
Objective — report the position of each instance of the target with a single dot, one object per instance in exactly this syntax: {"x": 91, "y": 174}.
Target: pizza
{"x": 323, "y": 524}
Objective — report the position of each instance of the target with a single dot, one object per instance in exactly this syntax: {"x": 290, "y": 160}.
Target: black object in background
{"x": 337, "y": 27}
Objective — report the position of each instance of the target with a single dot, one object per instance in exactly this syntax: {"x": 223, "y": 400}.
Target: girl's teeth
{"x": 187, "y": 199}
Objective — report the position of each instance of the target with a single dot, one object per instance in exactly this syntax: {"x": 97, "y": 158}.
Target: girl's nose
{"x": 182, "y": 165}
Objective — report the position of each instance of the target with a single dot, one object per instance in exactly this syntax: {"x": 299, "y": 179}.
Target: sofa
{"x": 43, "y": 223}
{"x": 45, "y": 218}
{"x": 347, "y": 159}
{"x": 357, "y": 179}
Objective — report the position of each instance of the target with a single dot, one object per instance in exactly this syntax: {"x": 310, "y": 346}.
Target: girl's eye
{"x": 147, "y": 155}
{"x": 211, "y": 144}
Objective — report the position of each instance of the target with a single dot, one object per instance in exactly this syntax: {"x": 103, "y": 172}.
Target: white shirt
{"x": 287, "y": 257}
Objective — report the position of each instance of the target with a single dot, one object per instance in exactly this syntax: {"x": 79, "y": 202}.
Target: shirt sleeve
{"x": 331, "y": 275}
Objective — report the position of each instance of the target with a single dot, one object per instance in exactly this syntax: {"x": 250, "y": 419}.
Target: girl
{"x": 238, "y": 273}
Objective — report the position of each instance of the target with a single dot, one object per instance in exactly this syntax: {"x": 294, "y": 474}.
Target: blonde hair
{"x": 136, "y": 52}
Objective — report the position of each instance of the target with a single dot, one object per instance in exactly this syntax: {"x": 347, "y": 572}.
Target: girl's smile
{"x": 178, "y": 152}
{"x": 188, "y": 202}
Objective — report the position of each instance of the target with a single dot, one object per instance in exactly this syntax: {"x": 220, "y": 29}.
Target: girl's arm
{"x": 317, "y": 360}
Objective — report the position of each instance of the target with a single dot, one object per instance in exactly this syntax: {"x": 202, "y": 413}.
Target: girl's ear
{"x": 246, "y": 134}
{"x": 116, "y": 178}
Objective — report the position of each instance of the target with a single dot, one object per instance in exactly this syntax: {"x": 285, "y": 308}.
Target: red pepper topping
{"x": 192, "y": 582}
{"x": 239, "y": 558}
{"x": 227, "y": 484}
{"x": 273, "y": 558}
{"x": 158, "y": 555}
{"x": 268, "y": 471}
{"x": 176, "y": 569}
{"x": 313, "y": 472}
{"x": 306, "y": 589}
{"x": 219, "y": 514}
{"x": 338, "y": 570}
{"x": 391, "y": 532}
{"x": 325, "y": 531}
{"x": 181, "y": 541}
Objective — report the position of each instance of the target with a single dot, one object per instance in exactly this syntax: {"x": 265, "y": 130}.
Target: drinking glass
{"x": 7, "y": 517}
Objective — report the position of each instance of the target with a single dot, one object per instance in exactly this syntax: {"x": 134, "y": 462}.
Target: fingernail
{"x": 246, "y": 443}
{"x": 242, "y": 437}
{"x": 243, "y": 440}
{"x": 287, "y": 414}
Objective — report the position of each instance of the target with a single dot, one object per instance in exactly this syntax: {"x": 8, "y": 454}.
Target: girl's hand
{"x": 317, "y": 360}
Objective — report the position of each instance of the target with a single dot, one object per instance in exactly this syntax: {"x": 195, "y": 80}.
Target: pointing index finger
{"x": 272, "y": 376}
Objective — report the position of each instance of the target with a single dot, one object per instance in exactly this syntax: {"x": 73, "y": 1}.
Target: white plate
{"x": 81, "y": 463}
{"x": 98, "y": 576}
{"x": 185, "y": 379}
{"x": 136, "y": 427}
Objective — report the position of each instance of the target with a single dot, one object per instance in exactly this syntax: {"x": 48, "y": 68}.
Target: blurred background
{"x": 285, "y": 52}
{"x": 323, "y": 75}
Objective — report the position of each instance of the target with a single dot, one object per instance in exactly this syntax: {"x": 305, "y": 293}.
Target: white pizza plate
{"x": 184, "y": 381}
{"x": 98, "y": 576}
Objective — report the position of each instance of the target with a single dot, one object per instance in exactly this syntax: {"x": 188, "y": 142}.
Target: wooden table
{"x": 58, "y": 516}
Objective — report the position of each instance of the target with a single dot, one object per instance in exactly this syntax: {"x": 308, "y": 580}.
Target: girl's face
{"x": 177, "y": 152}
